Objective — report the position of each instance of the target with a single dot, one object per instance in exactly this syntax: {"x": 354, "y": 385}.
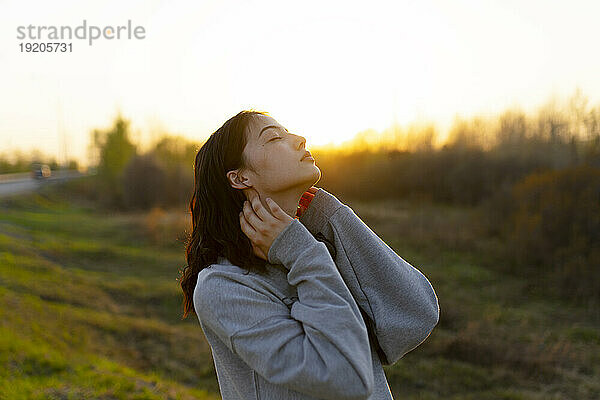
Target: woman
{"x": 297, "y": 301}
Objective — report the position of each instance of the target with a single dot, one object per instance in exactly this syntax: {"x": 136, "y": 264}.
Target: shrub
{"x": 144, "y": 183}
{"x": 553, "y": 228}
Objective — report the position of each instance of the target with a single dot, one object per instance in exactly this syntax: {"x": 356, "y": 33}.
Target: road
{"x": 22, "y": 183}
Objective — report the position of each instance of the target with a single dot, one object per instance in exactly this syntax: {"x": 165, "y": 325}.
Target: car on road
{"x": 40, "y": 171}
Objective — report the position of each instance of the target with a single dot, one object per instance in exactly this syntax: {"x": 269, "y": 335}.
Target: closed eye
{"x": 275, "y": 138}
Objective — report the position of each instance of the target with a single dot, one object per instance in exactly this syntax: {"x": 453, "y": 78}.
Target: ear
{"x": 237, "y": 180}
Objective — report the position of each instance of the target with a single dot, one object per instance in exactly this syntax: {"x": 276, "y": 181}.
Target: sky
{"x": 325, "y": 70}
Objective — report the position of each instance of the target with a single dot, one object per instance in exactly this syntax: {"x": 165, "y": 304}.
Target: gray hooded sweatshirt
{"x": 336, "y": 305}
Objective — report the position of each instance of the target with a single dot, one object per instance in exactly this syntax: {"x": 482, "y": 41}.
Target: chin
{"x": 316, "y": 175}
{"x": 301, "y": 179}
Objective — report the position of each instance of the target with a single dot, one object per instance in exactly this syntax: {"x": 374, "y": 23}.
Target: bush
{"x": 144, "y": 183}
{"x": 553, "y": 228}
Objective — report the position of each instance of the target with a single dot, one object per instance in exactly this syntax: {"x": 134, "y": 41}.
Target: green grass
{"x": 90, "y": 308}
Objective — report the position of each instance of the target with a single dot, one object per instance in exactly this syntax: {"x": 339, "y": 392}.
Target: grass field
{"x": 90, "y": 308}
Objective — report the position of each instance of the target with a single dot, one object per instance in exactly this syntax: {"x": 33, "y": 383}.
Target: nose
{"x": 300, "y": 141}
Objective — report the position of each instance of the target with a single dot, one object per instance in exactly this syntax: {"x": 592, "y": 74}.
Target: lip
{"x": 307, "y": 156}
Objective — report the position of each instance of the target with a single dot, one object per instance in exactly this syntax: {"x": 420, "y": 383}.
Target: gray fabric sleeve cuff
{"x": 287, "y": 246}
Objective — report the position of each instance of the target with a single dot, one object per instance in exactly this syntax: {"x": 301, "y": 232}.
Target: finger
{"x": 276, "y": 210}
{"x": 255, "y": 204}
{"x": 246, "y": 227}
{"x": 259, "y": 209}
{"x": 252, "y": 193}
{"x": 251, "y": 216}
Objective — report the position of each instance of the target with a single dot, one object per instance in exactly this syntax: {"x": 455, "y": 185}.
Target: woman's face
{"x": 277, "y": 158}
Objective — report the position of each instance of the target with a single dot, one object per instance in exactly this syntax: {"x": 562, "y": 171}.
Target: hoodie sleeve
{"x": 319, "y": 347}
{"x": 399, "y": 301}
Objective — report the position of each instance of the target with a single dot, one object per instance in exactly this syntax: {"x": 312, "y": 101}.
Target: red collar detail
{"x": 305, "y": 201}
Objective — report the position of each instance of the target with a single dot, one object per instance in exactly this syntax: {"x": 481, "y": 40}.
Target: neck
{"x": 287, "y": 200}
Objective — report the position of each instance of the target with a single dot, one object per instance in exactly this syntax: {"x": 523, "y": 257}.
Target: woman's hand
{"x": 262, "y": 225}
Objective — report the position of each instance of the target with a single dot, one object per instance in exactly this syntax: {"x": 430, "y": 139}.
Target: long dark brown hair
{"x": 215, "y": 207}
